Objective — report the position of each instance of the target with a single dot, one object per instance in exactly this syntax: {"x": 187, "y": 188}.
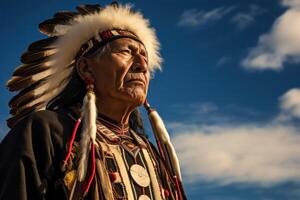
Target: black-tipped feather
{"x": 26, "y": 108}
{"x": 47, "y": 43}
{"x": 48, "y": 27}
{"x": 30, "y": 91}
{"x": 17, "y": 83}
{"x": 30, "y": 56}
{"x": 66, "y": 15}
{"x": 88, "y": 8}
{"x": 31, "y": 69}
{"x": 24, "y": 94}
{"x": 24, "y": 103}
{"x": 28, "y": 95}
{"x": 114, "y": 4}
{"x": 26, "y": 99}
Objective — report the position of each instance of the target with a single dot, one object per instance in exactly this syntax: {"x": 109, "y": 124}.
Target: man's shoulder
{"x": 48, "y": 118}
{"x": 43, "y": 123}
{"x": 49, "y": 114}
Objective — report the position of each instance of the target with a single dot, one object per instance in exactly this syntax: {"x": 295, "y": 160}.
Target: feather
{"x": 40, "y": 93}
{"x": 27, "y": 108}
{"x": 17, "y": 83}
{"x": 48, "y": 26}
{"x": 162, "y": 134}
{"x": 33, "y": 56}
{"x": 67, "y": 15}
{"x": 43, "y": 98}
{"x": 37, "y": 92}
{"x": 47, "y": 43}
{"x": 114, "y": 4}
{"x": 88, "y": 9}
{"x": 32, "y": 68}
{"x": 89, "y": 115}
{"x": 24, "y": 94}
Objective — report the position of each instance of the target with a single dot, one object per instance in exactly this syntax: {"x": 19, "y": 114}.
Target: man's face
{"x": 121, "y": 73}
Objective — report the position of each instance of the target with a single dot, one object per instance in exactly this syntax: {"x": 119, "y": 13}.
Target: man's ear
{"x": 84, "y": 70}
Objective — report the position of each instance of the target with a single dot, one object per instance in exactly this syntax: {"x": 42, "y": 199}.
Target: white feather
{"x": 88, "y": 134}
{"x": 162, "y": 134}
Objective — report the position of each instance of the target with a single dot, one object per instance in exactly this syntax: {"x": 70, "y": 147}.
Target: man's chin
{"x": 136, "y": 96}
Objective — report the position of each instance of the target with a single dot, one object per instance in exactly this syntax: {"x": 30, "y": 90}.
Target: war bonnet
{"x": 49, "y": 64}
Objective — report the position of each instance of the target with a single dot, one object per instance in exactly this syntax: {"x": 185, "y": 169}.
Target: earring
{"x": 89, "y": 83}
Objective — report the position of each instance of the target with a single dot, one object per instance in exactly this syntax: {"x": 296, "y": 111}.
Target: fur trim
{"x": 85, "y": 27}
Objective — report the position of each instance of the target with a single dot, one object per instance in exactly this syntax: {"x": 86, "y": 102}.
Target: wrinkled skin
{"x": 121, "y": 77}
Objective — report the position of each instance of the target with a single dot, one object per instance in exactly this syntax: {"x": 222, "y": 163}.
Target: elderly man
{"x": 76, "y": 131}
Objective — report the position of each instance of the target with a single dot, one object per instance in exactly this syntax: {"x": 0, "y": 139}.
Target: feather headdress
{"x": 49, "y": 64}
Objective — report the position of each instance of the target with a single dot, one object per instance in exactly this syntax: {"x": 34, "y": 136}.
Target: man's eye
{"x": 125, "y": 51}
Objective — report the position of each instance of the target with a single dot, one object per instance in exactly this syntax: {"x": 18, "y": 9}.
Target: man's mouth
{"x": 135, "y": 81}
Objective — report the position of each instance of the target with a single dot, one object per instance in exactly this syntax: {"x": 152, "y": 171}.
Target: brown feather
{"x": 67, "y": 15}
{"x": 25, "y": 99}
{"x": 114, "y": 4}
{"x": 48, "y": 27}
{"x": 17, "y": 83}
{"x": 88, "y": 8}
{"x": 25, "y": 109}
{"x": 38, "y": 89}
{"x": 47, "y": 43}
{"x": 33, "y": 93}
{"x": 26, "y": 93}
{"x": 31, "y": 56}
{"x": 31, "y": 69}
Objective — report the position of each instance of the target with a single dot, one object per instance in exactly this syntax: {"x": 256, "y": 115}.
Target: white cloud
{"x": 281, "y": 45}
{"x": 244, "y": 19}
{"x": 205, "y": 108}
{"x": 290, "y": 104}
{"x": 294, "y": 3}
{"x": 195, "y": 108}
{"x": 239, "y": 154}
{"x": 196, "y": 18}
{"x": 232, "y": 152}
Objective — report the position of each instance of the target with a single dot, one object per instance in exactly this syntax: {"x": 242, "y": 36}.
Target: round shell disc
{"x": 144, "y": 197}
{"x": 140, "y": 175}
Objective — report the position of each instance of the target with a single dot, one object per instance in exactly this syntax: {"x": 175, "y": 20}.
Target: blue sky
{"x": 229, "y": 90}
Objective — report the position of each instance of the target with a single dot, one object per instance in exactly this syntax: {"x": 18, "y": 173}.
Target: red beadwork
{"x": 88, "y": 82}
{"x": 166, "y": 193}
{"x": 93, "y": 169}
{"x": 105, "y": 35}
{"x": 178, "y": 188}
{"x": 72, "y": 140}
{"x": 113, "y": 176}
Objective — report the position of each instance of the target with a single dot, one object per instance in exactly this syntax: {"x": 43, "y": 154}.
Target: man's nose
{"x": 140, "y": 64}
